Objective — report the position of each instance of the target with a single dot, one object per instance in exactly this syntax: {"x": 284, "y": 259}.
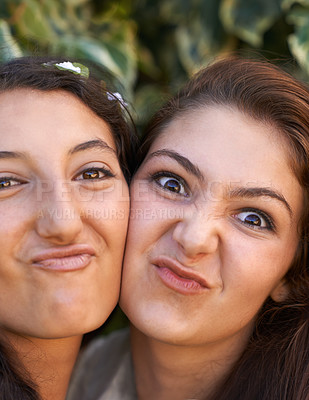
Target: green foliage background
{"x": 153, "y": 46}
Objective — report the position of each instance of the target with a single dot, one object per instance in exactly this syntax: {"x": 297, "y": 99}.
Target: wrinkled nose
{"x": 197, "y": 233}
{"x": 58, "y": 216}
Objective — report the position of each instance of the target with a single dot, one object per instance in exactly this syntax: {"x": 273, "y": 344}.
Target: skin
{"x": 46, "y": 204}
{"x": 230, "y": 223}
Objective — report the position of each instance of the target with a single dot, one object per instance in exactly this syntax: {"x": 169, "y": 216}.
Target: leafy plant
{"x": 152, "y": 47}
{"x": 71, "y": 28}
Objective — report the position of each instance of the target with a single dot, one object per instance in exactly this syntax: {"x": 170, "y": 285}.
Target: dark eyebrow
{"x": 92, "y": 144}
{"x": 260, "y": 192}
{"x": 183, "y": 161}
{"x": 11, "y": 154}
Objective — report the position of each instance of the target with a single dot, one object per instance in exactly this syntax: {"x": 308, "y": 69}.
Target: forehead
{"x": 29, "y": 115}
{"x": 225, "y": 135}
{"x": 231, "y": 148}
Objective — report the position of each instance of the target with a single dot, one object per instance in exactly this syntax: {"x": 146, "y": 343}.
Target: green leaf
{"x": 59, "y": 16}
{"x": 148, "y": 99}
{"x": 85, "y": 47}
{"x": 4, "y": 9}
{"x": 90, "y": 49}
{"x": 76, "y": 3}
{"x": 299, "y": 45}
{"x": 201, "y": 36}
{"x": 8, "y": 47}
{"x": 146, "y": 63}
{"x": 33, "y": 23}
{"x": 74, "y": 68}
{"x": 125, "y": 60}
{"x": 287, "y": 4}
{"x": 177, "y": 11}
{"x": 119, "y": 38}
{"x": 250, "y": 19}
{"x": 191, "y": 52}
{"x": 298, "y": 16}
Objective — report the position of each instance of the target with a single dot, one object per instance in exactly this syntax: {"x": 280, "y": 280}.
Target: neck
{"x": 48, "y": 362}
{"x": 166, "y": 371}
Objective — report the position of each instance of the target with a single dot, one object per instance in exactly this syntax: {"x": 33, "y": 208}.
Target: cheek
{"x": 151, "y": 216}
{"x": 256, "y": 267}
{"x": 108, "y": 213}
{"x": 15, "y": 225}
{"x": 143, "y": 232}
{"x": 110, "y": 220}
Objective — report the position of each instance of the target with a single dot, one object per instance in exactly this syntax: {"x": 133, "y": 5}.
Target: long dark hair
{"x": 42, "y": 74}
{"x": 275, "y": 364}
{"x": 15, "y": 382}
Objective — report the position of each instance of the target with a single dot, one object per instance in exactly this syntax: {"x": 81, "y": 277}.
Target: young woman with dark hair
{"x": 65, "y": 159}
{"x": 215, "y": 280}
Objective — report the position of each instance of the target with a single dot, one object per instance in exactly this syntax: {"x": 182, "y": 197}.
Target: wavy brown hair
{"x": 275, "y": 363}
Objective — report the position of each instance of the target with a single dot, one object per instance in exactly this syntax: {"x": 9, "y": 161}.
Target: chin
{"x": 167, "y": 335}
{"x": 167, "y": 330}
{"x": 79, "y": 315}
{"x": 72, "y": 322}
{"x": 69, "y": 329}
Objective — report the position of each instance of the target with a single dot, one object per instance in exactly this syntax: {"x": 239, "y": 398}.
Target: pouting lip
{"x": 179, "y": 269}
{"x": 62, "y": 252}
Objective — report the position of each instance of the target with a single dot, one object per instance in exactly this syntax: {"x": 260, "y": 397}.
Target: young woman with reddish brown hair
{"x": 215, "y": 281}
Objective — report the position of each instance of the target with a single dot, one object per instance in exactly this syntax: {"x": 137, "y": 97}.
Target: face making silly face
{"x": 215, "y": 209}
{"x": 64, "y": 207}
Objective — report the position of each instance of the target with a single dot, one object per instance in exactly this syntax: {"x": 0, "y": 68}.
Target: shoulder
{"x": 104, "y": 367}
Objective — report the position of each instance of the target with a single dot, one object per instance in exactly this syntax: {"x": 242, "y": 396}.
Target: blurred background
{"x": 153, "y": 46}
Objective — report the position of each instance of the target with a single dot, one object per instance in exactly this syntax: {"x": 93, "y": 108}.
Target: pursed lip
{"x": 67, "y": 258}
{"x": 182, "y": 272}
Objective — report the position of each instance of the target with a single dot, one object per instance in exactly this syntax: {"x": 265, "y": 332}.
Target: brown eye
{"x": 251, "y": 218}
{"x": 171, "y": 183}
{"x": 92, "y": 174}
{"x": 255, "y": 219}
{"x": 7, "y": 182}
{"x": 4, "y": 184}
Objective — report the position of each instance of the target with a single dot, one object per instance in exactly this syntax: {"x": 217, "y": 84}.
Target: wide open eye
{"x": 255, "y": 219}
{"x": 171, "y": 183}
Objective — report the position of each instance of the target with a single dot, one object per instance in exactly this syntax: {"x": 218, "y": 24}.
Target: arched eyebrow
{"x": 92, "y": 144}
{"x": 183, "y": 161}
{"x": 259, "y": 192}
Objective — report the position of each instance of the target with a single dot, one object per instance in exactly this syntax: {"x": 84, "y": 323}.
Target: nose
{"x": 58, "y": 215}
{"x": 197, "y": 234}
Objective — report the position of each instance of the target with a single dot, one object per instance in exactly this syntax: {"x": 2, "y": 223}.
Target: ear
{"x": 280, "y": 292}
